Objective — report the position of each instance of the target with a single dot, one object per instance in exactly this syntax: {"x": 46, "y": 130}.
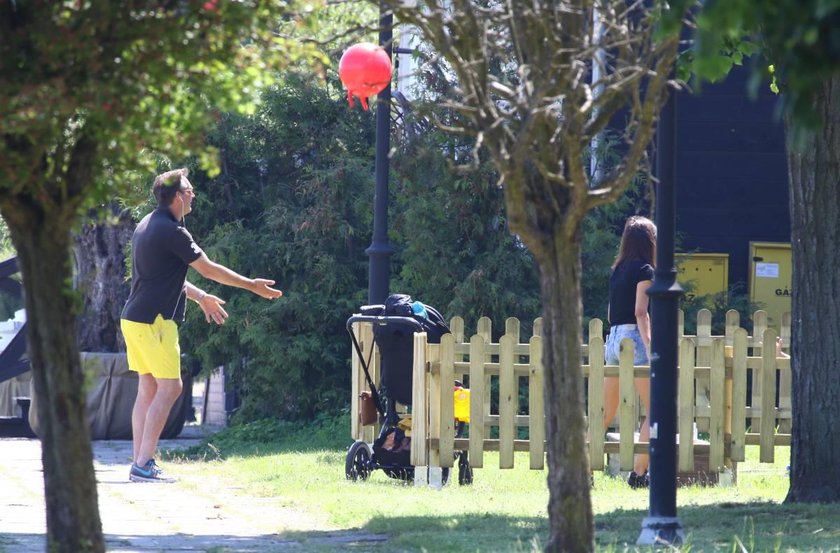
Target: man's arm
{"x": 223, "y": 275}
{"x": 195, "y": 293}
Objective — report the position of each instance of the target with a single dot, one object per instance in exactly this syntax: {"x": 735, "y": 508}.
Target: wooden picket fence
{"x": 507, "y": 404}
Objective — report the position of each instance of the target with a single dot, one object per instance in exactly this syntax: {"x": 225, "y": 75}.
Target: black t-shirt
{"x": 161, "y": 251}
{"x": 623, "y": 281}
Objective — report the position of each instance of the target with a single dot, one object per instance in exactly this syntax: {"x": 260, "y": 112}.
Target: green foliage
{"x": 800, "y": 39}
{"x": 730, "y": 52}
{"x": 455, "y": 251}
{"x": 131, "y": 83}
{"x": 292, "y": 204}
{"x": 735, "y": 298}
{"x": 325, "y": 431}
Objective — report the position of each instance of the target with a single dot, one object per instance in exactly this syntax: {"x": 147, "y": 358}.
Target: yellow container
{"x": 462, "y": 405}
{"x": 771, "y": 278}
{"x": 708, "y": 273}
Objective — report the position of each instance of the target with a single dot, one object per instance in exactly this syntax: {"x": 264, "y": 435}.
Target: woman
{"x": 632, "y": 275}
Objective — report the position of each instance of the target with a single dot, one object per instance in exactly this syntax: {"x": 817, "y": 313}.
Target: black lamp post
{"x": 662, "y": 526}
{"x": 379, "y": 251}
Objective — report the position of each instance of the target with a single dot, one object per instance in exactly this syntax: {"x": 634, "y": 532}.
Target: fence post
{"x": 768, "y": 396}
{"x": 508, "y": 400}
{"x": 456, "y": 327}
{"x": 785, "y": 391}
{"x": 596, "y": 330}
{"x": 680, "y": 323}
{"x": 596, "y": 401}
{"x": 478, "y": 390}
{"x": 627, "y": 412}
{"x": 685, "y": 405}
{"x": 434, "y": 412}
{"x": 716, "y": 390}
{"x": 419, "y": 405}
{"x": 733, "y": 322}
{"x": 512, "y": 328}
{"x": 485, "y": 330}
{"x": 447, "y": 400}
{"x": 739, "y": 394}
{"x": 703, "y": 348}
{"x": 536, "y": 404}
{"x": 759, "y": 326}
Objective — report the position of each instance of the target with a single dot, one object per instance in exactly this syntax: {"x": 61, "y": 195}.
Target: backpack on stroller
{"x": 394, "y": 325}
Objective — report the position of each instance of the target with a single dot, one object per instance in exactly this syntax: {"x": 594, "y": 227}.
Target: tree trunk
{"x": 569, "y": 504}
{"x": 815, "y": 219}
{"x": 100, "y": 278}
{"x": 43, "y": 246}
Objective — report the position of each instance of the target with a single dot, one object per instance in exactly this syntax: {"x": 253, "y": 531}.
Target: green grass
{"x": 505, "y": 510}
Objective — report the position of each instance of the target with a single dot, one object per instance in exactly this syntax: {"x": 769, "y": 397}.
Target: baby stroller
{"x": 394, "y": 325}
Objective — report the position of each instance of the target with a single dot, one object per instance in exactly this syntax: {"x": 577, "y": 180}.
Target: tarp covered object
{"x": 111, "y": 389}
{"x": 10, "y": 390}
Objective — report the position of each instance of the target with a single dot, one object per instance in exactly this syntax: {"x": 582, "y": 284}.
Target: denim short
{"x": 613, "y": 344}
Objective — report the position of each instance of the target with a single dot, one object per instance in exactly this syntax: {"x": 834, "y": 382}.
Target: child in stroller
{"x": 394, "y": 325}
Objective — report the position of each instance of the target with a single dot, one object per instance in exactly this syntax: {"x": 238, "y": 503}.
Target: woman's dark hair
{"x": 638, "y": 241}
{"x": 167, "y": 185}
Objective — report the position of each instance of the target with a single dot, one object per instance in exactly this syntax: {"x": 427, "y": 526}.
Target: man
{"x": 162, "y": 251}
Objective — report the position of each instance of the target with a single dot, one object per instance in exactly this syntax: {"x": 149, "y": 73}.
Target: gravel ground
{"x": 212, "y": 518}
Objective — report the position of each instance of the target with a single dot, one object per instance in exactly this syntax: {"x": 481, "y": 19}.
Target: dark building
{"x": 732, "y": 181}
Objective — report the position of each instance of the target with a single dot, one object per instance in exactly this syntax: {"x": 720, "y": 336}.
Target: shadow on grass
{"x": 211, "y": 543}
{"x": 444, "y": 534}
{"x": 760, "y": 526}
{"x": 724, "y": 527}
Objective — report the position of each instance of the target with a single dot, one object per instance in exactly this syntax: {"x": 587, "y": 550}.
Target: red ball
{"x": 365, "y": 70}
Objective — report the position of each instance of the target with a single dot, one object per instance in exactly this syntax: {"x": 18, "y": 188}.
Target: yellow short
{"x": 153, "y": 348}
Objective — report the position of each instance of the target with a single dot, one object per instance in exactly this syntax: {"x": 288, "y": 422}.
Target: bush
{"x": 329, "y": 431}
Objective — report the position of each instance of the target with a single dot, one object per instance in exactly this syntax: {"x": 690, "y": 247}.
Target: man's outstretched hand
{"x": 262, "y": 287}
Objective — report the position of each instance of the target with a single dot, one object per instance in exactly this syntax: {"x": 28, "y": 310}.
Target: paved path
{"x": 183, "y": 517}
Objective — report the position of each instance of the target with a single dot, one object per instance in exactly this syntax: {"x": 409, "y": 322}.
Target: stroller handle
{"x": 383, "y": 320}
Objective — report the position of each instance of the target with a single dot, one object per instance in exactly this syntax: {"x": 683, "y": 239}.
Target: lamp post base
{"x": 661, "y": 531}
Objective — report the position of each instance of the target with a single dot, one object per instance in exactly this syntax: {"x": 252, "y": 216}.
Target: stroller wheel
{"x": 357, "y": 465}
{"x": 465, "y": 472}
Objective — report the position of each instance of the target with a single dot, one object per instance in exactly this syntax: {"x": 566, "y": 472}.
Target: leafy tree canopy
{"x": 138, "y": 79}
{"x": 799, "y": 42}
